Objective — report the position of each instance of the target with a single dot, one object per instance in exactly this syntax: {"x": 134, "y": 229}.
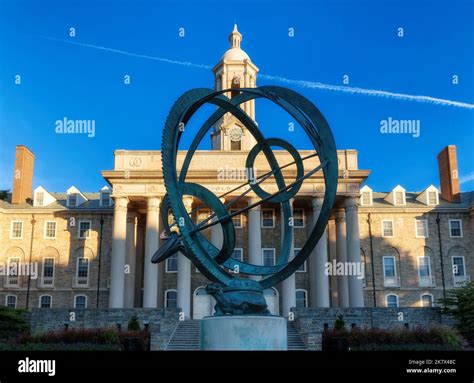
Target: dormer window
{"x": 39, "y": 199}
{"x": 366, "y": 196}
{"x": 72, "y": 200}
{"x": 432, "y": 198}
{"x": 105, "y": 198}
{"x": 399, "y": 198}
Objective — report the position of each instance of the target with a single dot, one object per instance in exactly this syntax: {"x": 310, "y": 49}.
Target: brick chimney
{"x": 23, "y": 175}
{"x": 448, "y": 174}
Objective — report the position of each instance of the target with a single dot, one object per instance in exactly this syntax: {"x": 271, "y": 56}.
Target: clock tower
{"x": 235, "y": 70}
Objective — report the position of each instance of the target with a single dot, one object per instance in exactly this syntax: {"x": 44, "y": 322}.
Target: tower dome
{"x": 235, "y": 53}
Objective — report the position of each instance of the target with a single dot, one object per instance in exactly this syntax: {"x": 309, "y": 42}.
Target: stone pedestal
{"x": 243, "y": 333}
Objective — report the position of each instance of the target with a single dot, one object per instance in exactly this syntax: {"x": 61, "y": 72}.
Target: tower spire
{"x": 235, "y": 38}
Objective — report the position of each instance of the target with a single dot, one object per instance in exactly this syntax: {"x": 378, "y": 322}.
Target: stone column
{"x": 341, "y": 254}
{"x": 184, "y": 274}
{"x": 331, "y": 232}
{"x": 319, "y": 280}
{"x": 117, "y": 276}
{"x": 130, "y": 261}
{"x": 255, "y": 235}
{"x": 356, "y": 291}
{"x": 217, "y": 236}
{"x": 150, "y": 274}
{"x": 288, "y": 286}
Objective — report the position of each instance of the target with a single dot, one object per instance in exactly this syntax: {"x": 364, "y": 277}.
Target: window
{"x": 105, "y": 198}
{"x": 391, "y": 300}
{"x": 432, "y": 198}
{"x": 424, "y": 267}
{"x": 48, "y": 271}
{"x": 235, "y": 145}
{"x": 172, "y": 264}
{"x": 387, "y": 228}
{"x": 237, "y": 219}
{"x": 301, "y": 298}
{"x": 455, "y": 228}
{"x": 72, "y": 200}
{"x": 84, "y": 229}
{"x": 10, "y": 301}
{"x": 421, "y": 228}
{"x": 268, "y": 257}
{"x": 389, "y": 270}
{"x": 50, "y": 229}
{"x": 80, "y": 302}
{"x": 399, "y": 198}
{"x": 45, "y": 301}
{"x": 427, "y": 300}
{"x": 13, "y": 278}
{"x": 459, "y": 269}
{"x": 268, "y": 218}
{"x": 302, "y": 268}
{"x": 366, "y": 198}
{"x": 238, "y": 254}
{"x": 171, "y": 299}
{"x": 16, "y": 231}
{"x": 39, "y": 199}
{"x": 82, "y": 271}
{"x": 298, "y": 218}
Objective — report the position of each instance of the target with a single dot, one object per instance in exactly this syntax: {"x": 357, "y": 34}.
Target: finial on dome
{"x": 235, "y": 38}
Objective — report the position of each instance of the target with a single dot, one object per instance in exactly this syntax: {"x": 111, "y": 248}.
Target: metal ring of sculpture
{"x": 236, "y": 295}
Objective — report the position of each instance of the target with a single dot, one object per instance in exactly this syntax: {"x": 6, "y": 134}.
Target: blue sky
{"x": 62, "y": 78}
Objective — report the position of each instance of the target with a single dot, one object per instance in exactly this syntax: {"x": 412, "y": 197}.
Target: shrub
{"x": 339, "y": 324}
{"x": 133, "y": 324}
{"x": 12, "y": 322}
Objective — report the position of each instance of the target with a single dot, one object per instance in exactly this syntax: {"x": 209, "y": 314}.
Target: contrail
{"x": 300, "y": 83}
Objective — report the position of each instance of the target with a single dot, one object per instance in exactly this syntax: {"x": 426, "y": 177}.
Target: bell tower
{"x": 235, "y": 70}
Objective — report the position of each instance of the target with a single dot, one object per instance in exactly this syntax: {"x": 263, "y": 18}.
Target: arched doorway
{"x": 203, "y": 303}
{"x": 271, "y": 297}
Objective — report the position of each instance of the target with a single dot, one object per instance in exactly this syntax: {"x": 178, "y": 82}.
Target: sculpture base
{"x": 243, "y": 332}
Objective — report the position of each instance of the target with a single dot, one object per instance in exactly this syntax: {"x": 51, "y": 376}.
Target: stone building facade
{"x": 94, "y": 249}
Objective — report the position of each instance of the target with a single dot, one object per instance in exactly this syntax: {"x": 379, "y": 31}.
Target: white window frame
{"x": 79, "y": 229}
{"x": 460, "y": 228}
{"x": 304, "y": 219}
{"x": 463, "y": 264}
{"x": 11, "y": 229}
{"x": 241, "y": 253}
{"x": 46, "y": 229}
{"x": 395, "y": 198}
{"x": 166, "y": 299}
{"x": 77, "y": 296}
{"x": 42, "y": 271}
{"x": 18, "y": 276}
{"x": 69, "y": 200}
{"x": 425, "y": 224}
{"x": 167, "y": 270}
{"x": 50, "y": 300}
{"x": 421, "y": 299}
{"x": 304, "y": 263}
{"x": 11, "y": 295}
{"x": 419, "y": 268}
{"x": 428, "y": 198}
{"x": 38, "y": 199}
{"x": 88, "y": 271}
{"x": 274, "y": 254}
{"x": 394, "y": 266}
{"x": 305, "y": 296}
{"x": 371, "y": 199}
{"x": 393, "y": 228}
{"x": 273, "y": 218}
{"x": 239, "y": 217}
{"x": 386, "y": 300}
{"x": 101, "y": 196}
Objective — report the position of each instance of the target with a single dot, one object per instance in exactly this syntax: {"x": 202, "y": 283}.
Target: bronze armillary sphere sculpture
{"x": 234, "y": 293}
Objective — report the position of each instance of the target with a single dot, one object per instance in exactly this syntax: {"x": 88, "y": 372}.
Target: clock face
{"x": 235, "y": 133}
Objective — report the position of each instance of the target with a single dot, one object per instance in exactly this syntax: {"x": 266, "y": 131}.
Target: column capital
{"x": 317, "y": 202}
{"x": 188, "y": 202}
{"x": 340, "y": 215}
{"x": 251, "y": 201}
{"x": 120, "y": 203}
{"x": 153, "y": 203}
{"x": 351, "y": 203}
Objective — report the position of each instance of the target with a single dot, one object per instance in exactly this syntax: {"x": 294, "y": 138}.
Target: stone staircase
{"x": 186, "y": 337}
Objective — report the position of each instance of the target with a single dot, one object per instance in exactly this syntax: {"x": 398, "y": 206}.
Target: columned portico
{"x": 255, "y": 235}
{"x": 356, "y": 294}
{"x": 319, "y": 280}
{"x": 184, "y": 274}
{"x": 341, "y": 255}
{"x": 117, "y": 276}
{"x": 289, "y": 284}
{"x": 150, "y": 275}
